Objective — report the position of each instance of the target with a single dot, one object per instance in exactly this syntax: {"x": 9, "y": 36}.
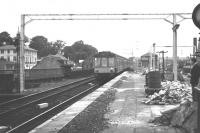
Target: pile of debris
{"x": 183, "y": 116}
{"x": 184, "y": 112}
{"x": 172, "y": 92}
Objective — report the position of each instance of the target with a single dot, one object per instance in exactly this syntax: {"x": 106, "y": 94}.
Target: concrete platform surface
{"x": 128, "y": 113}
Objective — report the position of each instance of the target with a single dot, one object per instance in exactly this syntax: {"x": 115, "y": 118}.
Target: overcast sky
{"x": 126, "y": 38}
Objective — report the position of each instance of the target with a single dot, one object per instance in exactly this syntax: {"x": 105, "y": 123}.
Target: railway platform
{"x": 115, "y": 107}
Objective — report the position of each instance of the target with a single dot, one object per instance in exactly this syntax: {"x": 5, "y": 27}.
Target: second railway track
{"x": 17, "y": 112}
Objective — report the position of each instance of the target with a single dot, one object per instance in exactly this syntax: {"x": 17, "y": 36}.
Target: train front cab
{"x": 105, "y": 67}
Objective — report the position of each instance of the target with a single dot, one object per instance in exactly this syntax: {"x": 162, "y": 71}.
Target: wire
{"x": 107, "y": 14}
{"x": 96, "y": 18}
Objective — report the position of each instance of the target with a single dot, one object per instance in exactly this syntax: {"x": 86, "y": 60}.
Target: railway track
{"x": 24, "y": 113}
{"x": 16, "y": 103}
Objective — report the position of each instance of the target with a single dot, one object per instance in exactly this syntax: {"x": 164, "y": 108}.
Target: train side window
{"x": 97, "y": 61}
{"x": 104, "y": 62}
{"x": 111, "y": 62}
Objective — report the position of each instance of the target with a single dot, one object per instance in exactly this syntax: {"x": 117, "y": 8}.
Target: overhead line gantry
{"x": 102, "y": 16}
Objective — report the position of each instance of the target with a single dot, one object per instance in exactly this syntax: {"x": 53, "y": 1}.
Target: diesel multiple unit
{"x": 107, "y": 64}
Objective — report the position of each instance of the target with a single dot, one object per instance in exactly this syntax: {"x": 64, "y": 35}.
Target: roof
{"x": 148, "y": 54}
{"x": 61, "y": 57}
{"x": 51, "y": 62}
{"x": 6, "y": 47}
{"x": 28, "y": 48}
{"x": 105, "y": 54}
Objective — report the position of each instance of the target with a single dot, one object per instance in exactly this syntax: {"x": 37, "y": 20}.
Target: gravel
{"x": 92, "y": 120}
{"x": 48, "y": 85}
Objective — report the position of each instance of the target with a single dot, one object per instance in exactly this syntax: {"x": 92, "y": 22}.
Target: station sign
{"x": 196, "y": 16}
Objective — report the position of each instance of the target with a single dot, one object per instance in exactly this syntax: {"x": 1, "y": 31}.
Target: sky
{"x": 123, "y": 37}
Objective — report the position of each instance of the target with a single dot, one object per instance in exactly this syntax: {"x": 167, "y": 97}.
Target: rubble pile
{"x": 172, "y": 92}
{"x": 183, "y": 116}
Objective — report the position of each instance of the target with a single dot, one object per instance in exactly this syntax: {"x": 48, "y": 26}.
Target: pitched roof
{"x": 5, "y": 47}
{"x": 61, "y": 57}
{"x": 28, "y": 48}
{"x": 148, "y": 54}
{"x": 8, "y": 47}
{"x": 104, "y": 54}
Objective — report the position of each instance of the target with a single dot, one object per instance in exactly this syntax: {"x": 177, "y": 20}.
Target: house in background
{"x": 8, "y": 52}
{"x": 7, "y": 65}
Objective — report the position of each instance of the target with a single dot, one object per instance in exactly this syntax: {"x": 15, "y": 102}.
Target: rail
{"x": 19, "y": 100}
{"x": 30, "y": 124}
{"x": 19, "y": 105}
{"x": 38, "y": 98}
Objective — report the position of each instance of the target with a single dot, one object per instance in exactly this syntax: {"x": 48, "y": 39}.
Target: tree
{"x": 57, "y": 46}
{"x": 26, "y": 39}
{"x": 41, "y": 44}
{"x": 5, "y": 39}
{"x": 68, "y": 52}
{"x": 79, "y": 51}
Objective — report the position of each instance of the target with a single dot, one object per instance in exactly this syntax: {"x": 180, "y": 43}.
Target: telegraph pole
{"x": 17, "y": 79}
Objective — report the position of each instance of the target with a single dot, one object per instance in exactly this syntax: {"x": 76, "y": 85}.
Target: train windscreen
{"x": 104, "y": 62}
{"x": 111, "y": 62}
{"x": 97, "y": 62}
